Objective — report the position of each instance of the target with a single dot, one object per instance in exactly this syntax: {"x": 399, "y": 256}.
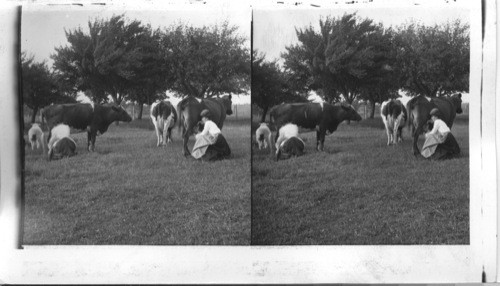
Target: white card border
{"x": 252, "y": 264}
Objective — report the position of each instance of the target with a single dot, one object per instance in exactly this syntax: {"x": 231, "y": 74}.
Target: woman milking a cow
{"x": 210, "y": 144}
{"x": 439, "y": 142}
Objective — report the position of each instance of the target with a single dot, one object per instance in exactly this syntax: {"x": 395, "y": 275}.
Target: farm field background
{"x": 361, "y": 191}
{"x": 131, "y": 192}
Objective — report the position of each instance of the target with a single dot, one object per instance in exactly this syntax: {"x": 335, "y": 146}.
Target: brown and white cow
{"x": 394, "y": 116}
{"x": 323, "y": 117}
{"x": 94, "y": 118}
{"x": 164, "y": 117}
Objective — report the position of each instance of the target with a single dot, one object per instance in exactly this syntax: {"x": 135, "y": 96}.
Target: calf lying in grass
{"x": 289, "y": 144}
{"x": 61, "y": 144}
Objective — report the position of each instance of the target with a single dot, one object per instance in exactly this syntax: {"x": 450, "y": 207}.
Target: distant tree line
{"x": 350, "y": 59}
{"x": 129, "y": 61}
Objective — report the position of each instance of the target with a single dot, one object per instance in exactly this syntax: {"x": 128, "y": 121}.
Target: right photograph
{"x": 360, "y": 126}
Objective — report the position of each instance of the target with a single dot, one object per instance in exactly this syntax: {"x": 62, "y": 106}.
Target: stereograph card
{"x": 134, "y": 204}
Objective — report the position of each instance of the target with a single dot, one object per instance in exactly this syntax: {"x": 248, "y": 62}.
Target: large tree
{"x": 343, "y": 57}
{"x": 206, "y": 61}
{"x": 39, "y": 86}
{"x": 433, "y": 60}
{"x": 271, "y": 86}
{"x": 106, "y": 60}
{"x": 151, "y": 78}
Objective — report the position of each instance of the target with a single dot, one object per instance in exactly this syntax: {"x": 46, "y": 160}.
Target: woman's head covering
{"x": 435, "y": 112}
{"x": 205, "y": 113}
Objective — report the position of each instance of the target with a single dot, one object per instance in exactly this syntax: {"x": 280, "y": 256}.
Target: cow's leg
{"x": 164, "y": 136}
{"x": 317, "y": 140}
{"x": 158, "y": 137}
{"x": 396, "y": 132}
{"x": 270, "y": 139}
{"x": 91, "y": 135}
{"x": 169, "y": 135}
{"x": 93, "y": 141}
{"x": 388, "y": 132}
{"x": 400, "y": 134}
{"x": 89, "y": 139}
{"x": 320, "y": 139}
{"x": 416, "y": 134}
{"x": 185, "y": 138}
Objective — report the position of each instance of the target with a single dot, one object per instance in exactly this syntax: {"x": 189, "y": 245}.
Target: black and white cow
{"x": 94, "y": 118}
{"x": 394, "y": 116}
{"x": 164, "y": 116}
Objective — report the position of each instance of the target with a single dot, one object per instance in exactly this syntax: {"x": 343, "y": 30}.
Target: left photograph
{"x": 136, "y": 126}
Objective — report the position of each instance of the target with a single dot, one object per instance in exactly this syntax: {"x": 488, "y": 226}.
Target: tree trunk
{"x": 372, "y": 112}
{"x": 33, "y": 116}
{"x": 264, "y": 113}
{"x": 141, "y": 106}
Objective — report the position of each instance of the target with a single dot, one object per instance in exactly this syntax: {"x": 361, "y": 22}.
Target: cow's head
{"x": 228, "y": 104}
{"x": 349, "y": 113}
{"x": 120, "y": 114}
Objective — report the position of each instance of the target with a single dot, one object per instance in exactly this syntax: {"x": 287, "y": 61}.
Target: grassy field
{"x": 131, "y": 192}
{"x": 360, "y": 192}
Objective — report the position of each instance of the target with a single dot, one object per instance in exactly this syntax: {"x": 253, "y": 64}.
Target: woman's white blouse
{"x": 440, "y": 127}
{"x": 210, "y": 128}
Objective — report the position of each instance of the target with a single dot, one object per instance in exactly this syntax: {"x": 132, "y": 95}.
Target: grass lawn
{"x": 131, "y": 192}
{"x": 361, "y": 191}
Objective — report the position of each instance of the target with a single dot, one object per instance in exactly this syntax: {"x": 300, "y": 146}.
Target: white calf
{"x": 58, "y": 132}
{"x": 264, "y": 137}
{"x": 394, "y": 117}
{"x": 36, "y": 137}
{"x": 286, "y": 131}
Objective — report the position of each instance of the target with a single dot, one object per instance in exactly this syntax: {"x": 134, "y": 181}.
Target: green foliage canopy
{"x": 206, "y": 61}
{"x": 433, "y": 60}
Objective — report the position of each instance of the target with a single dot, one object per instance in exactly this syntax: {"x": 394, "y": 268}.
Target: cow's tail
{"x": 180, "y": 112}
{"x": 261, "y": 137}
{"x": 272, "y": 116}
{"x": 43, "y": 119}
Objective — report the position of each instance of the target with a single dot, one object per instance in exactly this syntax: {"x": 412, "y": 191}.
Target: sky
{"x": 42, "y": 28}
{"x": 275, "y": 29}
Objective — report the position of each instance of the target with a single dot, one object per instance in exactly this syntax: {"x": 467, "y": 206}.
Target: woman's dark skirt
{"x": 217, "y": 151}
{"x": 446, "y": 150}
